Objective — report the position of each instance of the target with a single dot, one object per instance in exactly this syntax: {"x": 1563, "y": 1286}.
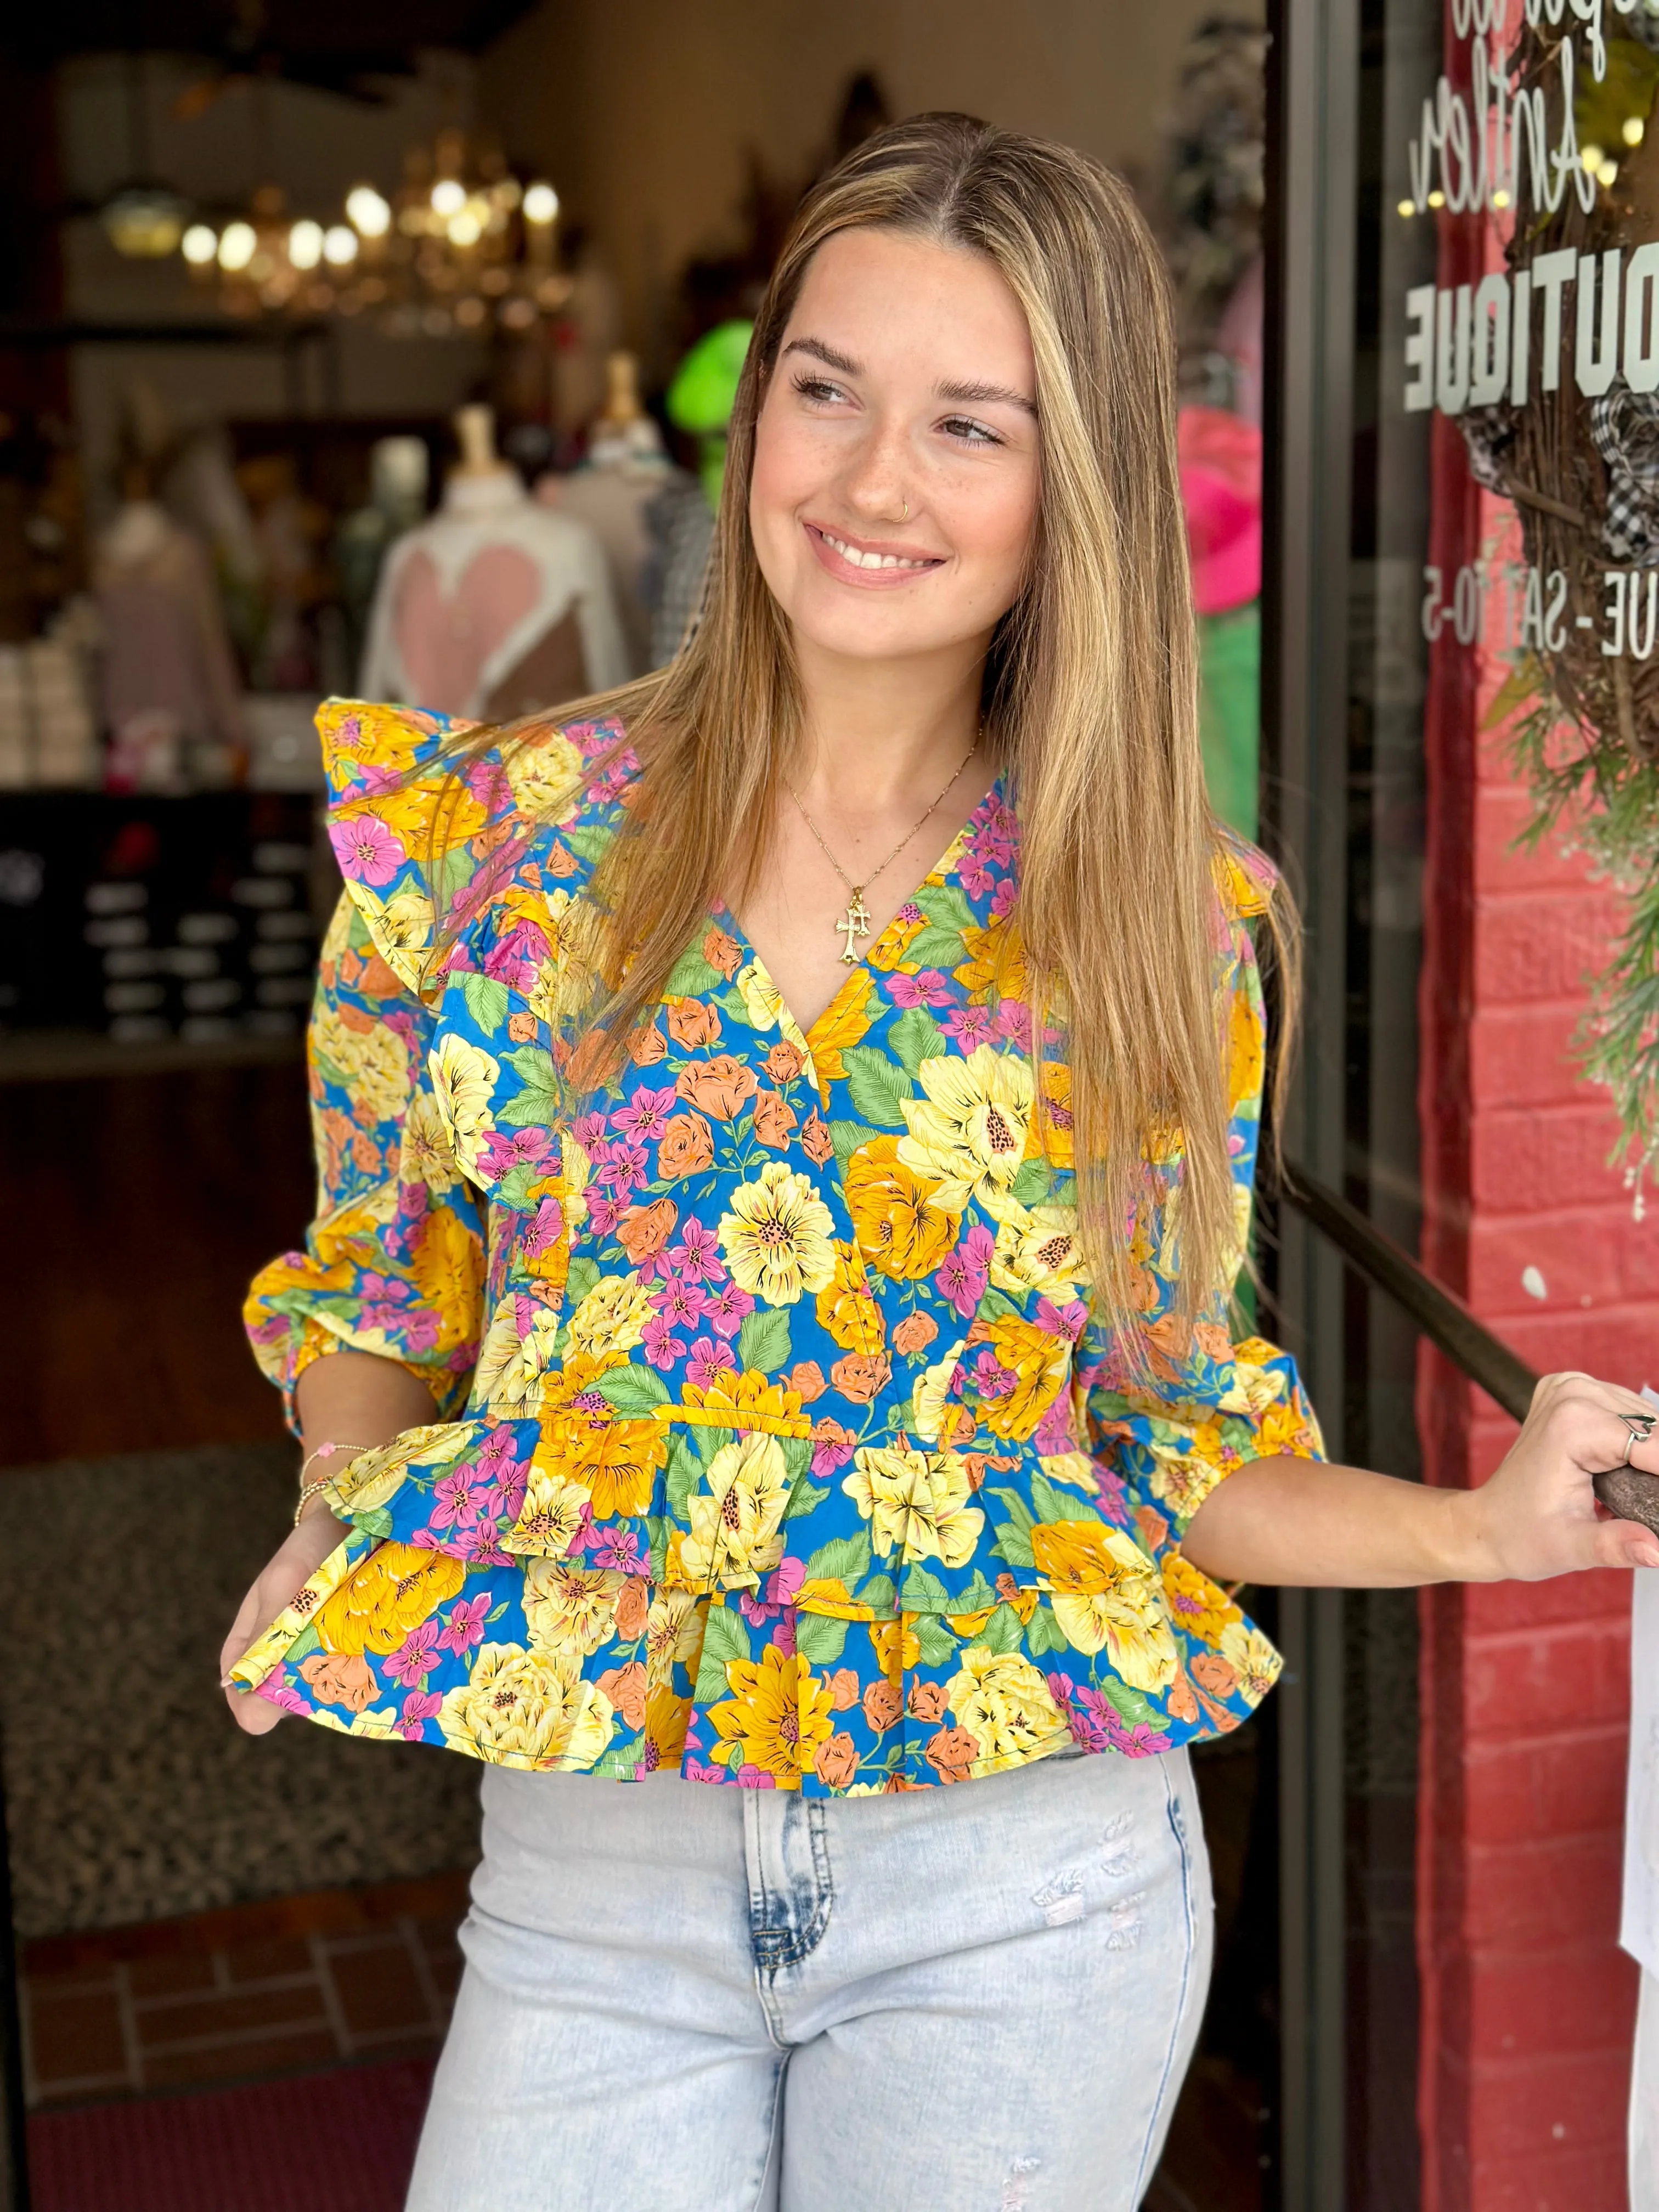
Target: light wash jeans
{"x": 680, "y": 1997}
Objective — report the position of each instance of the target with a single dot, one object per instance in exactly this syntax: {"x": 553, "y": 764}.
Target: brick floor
{"x": 252, "y": 1990}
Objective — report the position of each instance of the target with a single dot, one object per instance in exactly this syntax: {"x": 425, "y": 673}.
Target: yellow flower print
{"x": 511, "y": 1374}
{"x": 1105, "y": 1595}
{"x": 996, "y": 956}
{"x": 777, "y": 1717}
{"x": 916, "y": 1503}
{"x": 761, "y": 996}
{"x": 745, "y": 1400}
{"x": 372, "y": 1060}
{"x": 897, "y": 1646}
{"x": 1037, "y": 1249}
{"x": 427, "y": 1156}
{"x": 845, "y": 1023}
{"x": 1003, "y": 1702}
{"x": 463, "y": 1078}
{"x": 1075, "y": 1468}
{"x": 395, "y": 1589}
{"x": 610, "y": 1320}
{"x": 614, "y": 1461}
{"x": 899, "y": 1227}
{"x": 1056, "y": 1118}
{"x": 931, "y": 1398}
{"x": 1039, "y": 1364}
{"x": 576, "y": 1167}
{"x": 401, "y": 928}
{"x": 736, "y": 1518}
{"x": 1244, "y": 1647}
{"x": 845, "y": 1308}
{"x": 968, "y": 1134}
{"x": 1194, "y": 1602}
{"x": 369, "y": 1479}
{"x": 447, "y": 1264}
{"x": 1245, "y": 1049}
{"x": 666, "y": 1719}
{"x": 569, "y": 1611}
{"x": 776, "y": 1239}
{"x": 518, "y": 1710}
{"x": 551, "y": 1516}
{"x": 673, "y": 1631}
{"x": 546, "y": 775}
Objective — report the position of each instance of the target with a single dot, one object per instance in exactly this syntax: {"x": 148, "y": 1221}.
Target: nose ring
{"x": 905, "y": 517}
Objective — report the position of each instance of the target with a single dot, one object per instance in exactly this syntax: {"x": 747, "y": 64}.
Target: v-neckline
{"x": 857, "y": 976}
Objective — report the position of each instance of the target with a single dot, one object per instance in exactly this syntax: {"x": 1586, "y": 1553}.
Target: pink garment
{"x": 1221, "y": 490}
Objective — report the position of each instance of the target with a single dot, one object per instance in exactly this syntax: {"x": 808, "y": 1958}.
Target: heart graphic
{"x": 446, "y": 642}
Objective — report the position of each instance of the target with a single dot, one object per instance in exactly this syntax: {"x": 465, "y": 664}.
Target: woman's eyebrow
{"x": 826, "y": 354}
{"x": 985, "y": 395}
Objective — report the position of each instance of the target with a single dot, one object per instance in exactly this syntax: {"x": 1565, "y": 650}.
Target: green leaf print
{"x": 1033, "y": 1184}
{"x": 997, "y": 1305}
{"x": 1003, "y": 1632}
{"x": 935, "y": 948}
{"x": 513, "y": 1188}
{"x": 819, "y": 1637}
{"x": 691, "y": 976}
{"x": 923, "y": 1592}
{"x": 726, "y": 1638}
{"x": 1044, "y": 1634}
{"x": 584, "y": 1273}
{"x": 946, "y": 907}
{"x": 303, "y": 1645}
{"x": 1025, "y": 1519}
{"x": 805, "y": 1498}
{"x": 1013, "y": 1545}
{"x": 1054, "y": 1504}
{"x": 847, "y": 1137}
{"x": 979, "y": 1597}
{"x": 1132, "y": 1708}
{"x": 535, "y": 1107}
{"x": 633, "y": 1390}
{"x": 684, "y": 1473}
{"x": 878, "y": 1088}
{"x": 619, "y": 1763}
{"x": 376, "y": 1521}
{"x": 763, "y": 1340}
{"x": 708, "y": 1441}
{"x": 797, "y": 1455}
{"x": 586, "y": 840}
{"x": 881, "y": 1596}
{"x": 486, "y": 1001}
{"x": 844, "y": 1559}
{"x": 917, "y": 1037}
{"x": 657, "y": 1530}
{"x": 936, "y": 1641}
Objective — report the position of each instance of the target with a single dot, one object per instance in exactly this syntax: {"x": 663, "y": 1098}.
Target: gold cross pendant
{"x": 855, "y": 923}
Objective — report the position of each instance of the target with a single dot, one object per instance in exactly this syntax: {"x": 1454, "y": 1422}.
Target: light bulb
{"x": 1607, "y": 176}
{"x": 237, "y": 245}
{"x": 199, "y": 246}
{"x": 465, "y": 229}
{"x": 1436, "y": 198}
{"x": 368, "y": 211}
{"x": 541, "y": 204}
{"x": 1407, "y": 207}
{"x": 1592, "y": 157}
{"x": 448, "y": 197}
{"x": 339, "y": 245}
{"x": 1500, "y": 198}
{"x": 304, "y": 244}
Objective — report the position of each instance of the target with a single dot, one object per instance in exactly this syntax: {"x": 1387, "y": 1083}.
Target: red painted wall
{"x": 1528, "y": 2003}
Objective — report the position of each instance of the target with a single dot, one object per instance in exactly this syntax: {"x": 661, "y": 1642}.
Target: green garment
{"x": 1230, "y": 713}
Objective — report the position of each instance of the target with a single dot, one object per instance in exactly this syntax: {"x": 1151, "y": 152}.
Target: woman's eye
{"x": 968, "y": 432}
{"x": 817, "y": 388}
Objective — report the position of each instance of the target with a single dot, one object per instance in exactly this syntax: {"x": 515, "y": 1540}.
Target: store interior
{"x": 389, "y": 353}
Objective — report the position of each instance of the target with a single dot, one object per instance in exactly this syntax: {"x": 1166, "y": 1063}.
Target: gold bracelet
{"x": 307, "y": 1494}
{"x": 325, "y": 1451}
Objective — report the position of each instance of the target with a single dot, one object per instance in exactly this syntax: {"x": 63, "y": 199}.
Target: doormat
{"x": 132, "y": 1793}
{"x": 345, "y": 2139}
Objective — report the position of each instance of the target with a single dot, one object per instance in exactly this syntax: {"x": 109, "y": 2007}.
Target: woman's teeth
{"x": 871, "y": 560}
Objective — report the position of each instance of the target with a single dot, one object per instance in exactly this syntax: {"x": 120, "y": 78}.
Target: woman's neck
{"x": 875, "y": 733}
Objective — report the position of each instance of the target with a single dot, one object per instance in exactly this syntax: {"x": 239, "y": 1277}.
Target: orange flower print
{"x": 900, "y": 1227}
{"x": 521, "y": 1028}
{"x": 784, "y": 1061}
{"x": 692, "y": 1022}
{"x": 719, "y": 1087}
{"x": 613, "y": 1460}
{"x": 1214, "y": 1673}
{"x": 837, "y": 1760}
{"x": 914, "y": 1333}
{"x": 882, "y": 1705}
{"x": 861, "y": 1378}
{"x": 927, "y": 1702}
{"x": 687, "y": 1145}
{"x": 723, "y": 952}
{"x": 843, "y": 1689}
{"x": 336, "y": 1681}
{"x": 815, "y": 1140}
{"x": 774, "y": 1117}
{"x": 777, "y": 1717}
{"x": 647, "y": 1046}
{"x": 807, "y": 1380}
{"x": 625, "y": 1688}
{"x": 644, "y": 1230}
{"x": 951, "y": 1754}
{"x": 633, "y": 1609}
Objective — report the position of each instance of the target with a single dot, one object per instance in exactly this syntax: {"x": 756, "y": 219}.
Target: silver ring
{"x": 1638, "y": 1427}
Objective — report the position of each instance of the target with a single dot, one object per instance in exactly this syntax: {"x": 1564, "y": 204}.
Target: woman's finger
{"x": 1623, "y": 1544}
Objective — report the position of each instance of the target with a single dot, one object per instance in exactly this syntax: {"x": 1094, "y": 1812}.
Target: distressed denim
{"x": 681, "y": 1999}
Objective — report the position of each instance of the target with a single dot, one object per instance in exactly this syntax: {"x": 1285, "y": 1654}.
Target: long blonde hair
{"x": 1090, "y": 692}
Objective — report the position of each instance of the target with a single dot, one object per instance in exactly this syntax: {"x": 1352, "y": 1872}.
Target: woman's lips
{"x": 867, "y": 563}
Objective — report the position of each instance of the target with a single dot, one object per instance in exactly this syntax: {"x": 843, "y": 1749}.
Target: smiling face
{"x": 905, "y": 379}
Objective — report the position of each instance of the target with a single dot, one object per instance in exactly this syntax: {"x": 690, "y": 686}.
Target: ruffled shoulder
{"x": 425, "y": 826}
{"x": 1245, "y": 878}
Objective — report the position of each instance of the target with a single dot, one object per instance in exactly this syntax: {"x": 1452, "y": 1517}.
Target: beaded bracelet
{"x": 323, "y": 1451}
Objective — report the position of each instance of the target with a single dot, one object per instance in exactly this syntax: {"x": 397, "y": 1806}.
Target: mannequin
{"x": 626, "y": 468}
{"x": 495, "y": 607}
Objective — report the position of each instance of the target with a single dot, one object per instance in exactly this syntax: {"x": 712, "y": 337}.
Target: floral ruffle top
{"x": 777, "y": 1441}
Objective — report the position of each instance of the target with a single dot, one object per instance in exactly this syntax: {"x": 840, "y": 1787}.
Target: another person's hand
{"x": 1538, "y": 1515}
{"x": 289, "y": 1567}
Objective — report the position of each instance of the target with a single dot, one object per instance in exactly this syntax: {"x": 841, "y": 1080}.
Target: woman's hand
{"x": 1538, "y": 1515}
{"x": 289, "y": 1567}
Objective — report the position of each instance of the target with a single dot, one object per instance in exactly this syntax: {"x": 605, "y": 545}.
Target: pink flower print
{"x": 465, "y": 1625}
{"x": 482, "y": 1546}
{"x": 499, "y": 1450}
{"x": 604, "y": 1210}
{"x": 777, "y": 1593}
{"x": 662, "y": 1346}
{"x": 969, "y": 1026}
{"x": 927, "y": 987}
{"x": 419, "y": 1707}
{"x": 276, "y": 1692}
{"x": 755, "y": 1777}
{"x": 696, "y": 1257}
{"x": 616, "y": 1549}
{"x": 416, "y": 1656}
{"x": 588, "y": 1130}
{"x": 1013, "y": 1023}
{"x": 991, "y": 1378}
{"x": 486, "y": 781}
{"x": 965, "y": 1271}
{"x": 976, "y": 877}
{"x": 998, "y": 835}
{"x": 832, "y": 1447}
{"x": 680, "y": 1304}
{"x": 515, "y": 957}
{"x": 546, "y": 1228}
{"x": 626, "y": 1167}
{"x": 708, "y": 1360}
{"x": 910, "y": 913}
{"x": 501, "y": 1153}
{"x": 1054, "y": 1433}
{"x": 268, "y": 1332}
{"x": 418, "y": 1332}
{"x": 505, "y": 1496}
{"x": 726, "y": 1311}
{"x": 367, "y": 852}
{"x": 698, "y": 1770}
{"x": 646, "y": 1114}
{"x": 1068, "y": 1321}
{"x": 459, "y": 1500}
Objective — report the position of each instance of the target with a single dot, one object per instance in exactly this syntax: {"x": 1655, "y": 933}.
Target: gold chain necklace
{"x": 855, "y": 922}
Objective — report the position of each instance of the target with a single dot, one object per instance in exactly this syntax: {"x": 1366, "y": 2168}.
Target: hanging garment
{"x": 166, "y": 652}
{"x": 495, "y": 607}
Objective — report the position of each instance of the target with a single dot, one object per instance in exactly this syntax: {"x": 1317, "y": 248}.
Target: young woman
{"x": 786, "y": 1139}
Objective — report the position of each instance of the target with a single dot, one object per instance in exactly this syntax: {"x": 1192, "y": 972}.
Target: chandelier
{"x": 461, "y": 247}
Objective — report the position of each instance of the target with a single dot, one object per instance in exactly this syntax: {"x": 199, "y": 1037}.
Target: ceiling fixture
{"x": 142, "y": 218}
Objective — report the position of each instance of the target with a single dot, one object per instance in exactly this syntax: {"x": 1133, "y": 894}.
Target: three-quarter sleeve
{"x": 1167, "y": 1429}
